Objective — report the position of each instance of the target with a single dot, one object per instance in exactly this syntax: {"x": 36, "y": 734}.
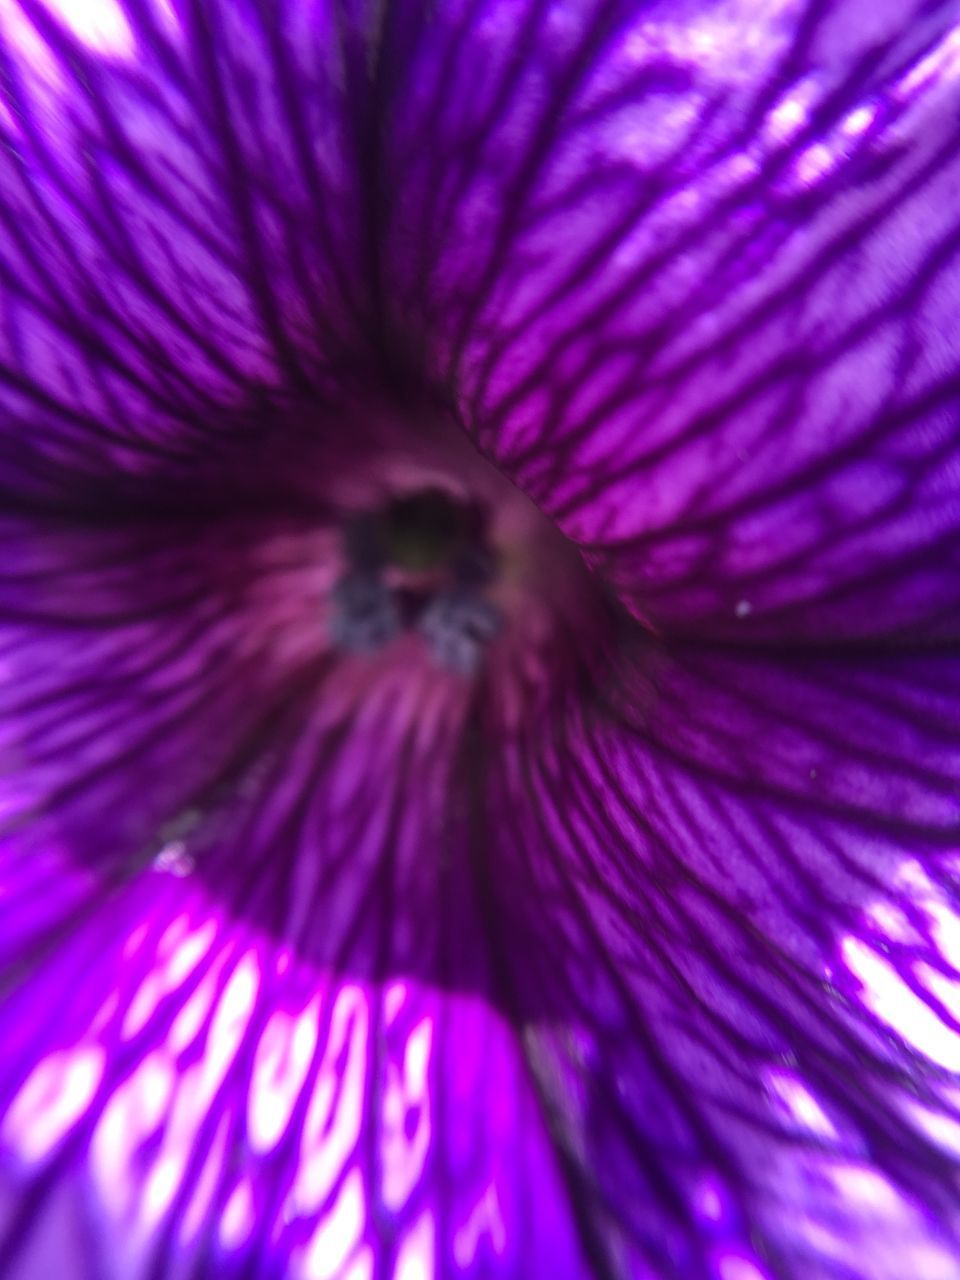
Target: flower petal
{"x": 205, "y": 1103}
{"x": 246, "y": 1020}
{"x": 178, "y": 256}
{"x": 692, "y": 269}
{"x": 727, "y": 917}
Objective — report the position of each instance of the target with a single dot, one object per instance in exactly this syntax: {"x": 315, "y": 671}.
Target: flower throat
{"x": 420, "y": 562}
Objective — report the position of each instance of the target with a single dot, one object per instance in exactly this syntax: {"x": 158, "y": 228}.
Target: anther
{"x": 364, "y": 614}
{"x": 458, "y": 625}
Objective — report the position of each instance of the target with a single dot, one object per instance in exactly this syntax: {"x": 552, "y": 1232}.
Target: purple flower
{"x": 480, "y": 491}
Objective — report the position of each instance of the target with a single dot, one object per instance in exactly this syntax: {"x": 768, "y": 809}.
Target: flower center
{"x": 422, "y": 561}
{"x": 446, "y": 570}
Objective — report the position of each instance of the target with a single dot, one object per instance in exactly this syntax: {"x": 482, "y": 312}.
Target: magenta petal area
{"x": 203, "y": 1104}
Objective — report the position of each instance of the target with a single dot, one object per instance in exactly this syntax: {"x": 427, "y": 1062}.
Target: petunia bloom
{"x": 479, "y": 606}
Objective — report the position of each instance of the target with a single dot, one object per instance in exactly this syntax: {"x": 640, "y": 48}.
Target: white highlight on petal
{"x": 280, "y": 1068}
{"x": 709, "y": 1199}
{"x": 361, "y": 1268}
{"x": 892, "y": 1240}
{"x": 236, "y": 1222}
{"x": 725, "y": 47}
{"x": 800, "y": 1103}
{"x": 888, "y": 996}
{"x": 52, "y": 1099}
{"x": 940, "y": 65}
{"x": 485, "y": 1220}
{"x": 334, "y": 1117}
{"x": 942, "y": 988}
{"x": 162, "y": 1184}
{"x": 26, "y": 42}
{"x": 859, "y": 120}
{"x": 891, "y": 921}
{"x": 188, "y": 1021}
{"x": 394, "y": 998}
{"x": 99, "y": 24}
{"x": 338, "y": 1233}
{"x": 815, "y": 163}
{"x": 406, "y": 1103}
{"x": 735, "y": 1265}
{"x": 945, "y": 929}
{"x": 184, "y": 954}
{"x": 415, "y": 1259}
{"x": 940, "y": 1128}
{"x": 198, "y": 1085}
{"x": 787, "y": 117}
{"x": 233, "y": 1013}
{"x": 174, "y": 859}
{"x": 867, "y": 1187}
{"x": 135, "y": 1110}
{"x": 167, "y": 16}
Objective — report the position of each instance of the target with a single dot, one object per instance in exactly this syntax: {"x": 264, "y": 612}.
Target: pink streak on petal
{"x": 941, "y": 64}
{"x": 133, "y": 943}
{"x": 484, "y": 1221}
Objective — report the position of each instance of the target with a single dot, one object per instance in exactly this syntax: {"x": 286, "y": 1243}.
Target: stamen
{"x": 419, "y": 563}
{"x": 364, "y": 615}
{"x": 458, "y": 625}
